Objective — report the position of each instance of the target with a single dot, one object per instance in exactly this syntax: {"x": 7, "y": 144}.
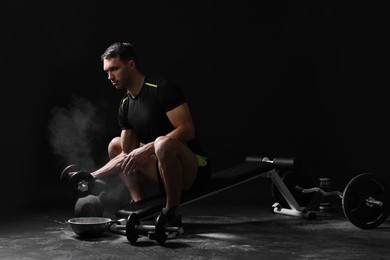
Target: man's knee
{"x": 162, "y": 145}
{"x": 114, "y": 147}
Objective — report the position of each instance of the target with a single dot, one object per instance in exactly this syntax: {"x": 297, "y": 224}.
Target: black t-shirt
{"x": 146, "y": 113}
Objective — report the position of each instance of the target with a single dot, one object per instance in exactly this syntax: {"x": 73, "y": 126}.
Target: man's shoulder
{"x": 157, "y": 81}
{"x": 154, "y": 81}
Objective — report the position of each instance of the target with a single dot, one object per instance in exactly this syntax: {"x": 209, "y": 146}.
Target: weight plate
{"x": 131, "y": 232}
{"x": 64, "y": 177}
{"x": 355, "y": 206}
{"x": 291, "y": 179}
{"x": 81, "y": 184}
{"x": 161, "y": 235}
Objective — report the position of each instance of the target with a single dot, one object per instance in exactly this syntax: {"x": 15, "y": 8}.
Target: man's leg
{"x": 178, "y": 168}
{"x": 132, "y": 182}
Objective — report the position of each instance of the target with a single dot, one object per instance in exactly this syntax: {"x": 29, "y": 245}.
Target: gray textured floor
{"x": 235, "y": 224}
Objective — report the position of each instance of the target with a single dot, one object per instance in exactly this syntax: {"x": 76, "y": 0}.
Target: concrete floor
{"x": 234, "y": 224}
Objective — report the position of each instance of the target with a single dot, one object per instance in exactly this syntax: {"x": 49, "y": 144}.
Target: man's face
{"x": 119, "y": 72}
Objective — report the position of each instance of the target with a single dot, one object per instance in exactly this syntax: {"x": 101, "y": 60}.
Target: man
{"x": 158, "y": 139}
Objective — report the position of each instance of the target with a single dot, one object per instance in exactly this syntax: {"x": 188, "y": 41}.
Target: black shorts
{"x": 202, "y": 178}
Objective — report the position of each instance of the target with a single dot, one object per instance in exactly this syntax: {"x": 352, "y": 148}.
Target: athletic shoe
{"x": 173, "y": 221}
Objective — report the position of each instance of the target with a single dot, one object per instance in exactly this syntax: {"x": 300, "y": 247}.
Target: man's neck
{"x": 136, "y": 87}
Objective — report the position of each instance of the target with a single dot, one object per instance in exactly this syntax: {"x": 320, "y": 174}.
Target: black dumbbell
{"x": 64, "y": 178}
{"x": 81, "y": 183}
{"x": 134, "y": 228}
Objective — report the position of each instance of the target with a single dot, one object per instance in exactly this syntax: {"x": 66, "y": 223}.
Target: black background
{"x": 306, "y": 79}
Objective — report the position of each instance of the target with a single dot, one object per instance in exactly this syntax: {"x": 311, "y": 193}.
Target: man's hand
{"x": 136, "y": 159}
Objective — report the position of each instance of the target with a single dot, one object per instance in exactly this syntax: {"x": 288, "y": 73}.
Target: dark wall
{"x": 273, "y": 78}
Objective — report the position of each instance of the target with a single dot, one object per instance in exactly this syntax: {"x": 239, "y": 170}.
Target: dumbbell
{"x": 365, "y": 200}
{"x": 134, "y": 228}
{"x": 81, "y": 183}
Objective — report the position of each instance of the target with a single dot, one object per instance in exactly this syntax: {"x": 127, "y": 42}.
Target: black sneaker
{"x": 173, "y": 221}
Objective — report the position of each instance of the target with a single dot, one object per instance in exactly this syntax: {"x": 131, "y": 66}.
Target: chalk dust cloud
{"x": 73, "y": 131}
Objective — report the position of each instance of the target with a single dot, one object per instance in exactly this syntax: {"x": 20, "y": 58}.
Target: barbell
{"x": 365, "y": 200}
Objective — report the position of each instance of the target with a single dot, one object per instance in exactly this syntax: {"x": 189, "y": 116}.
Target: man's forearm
{"x": 110, "y": 168}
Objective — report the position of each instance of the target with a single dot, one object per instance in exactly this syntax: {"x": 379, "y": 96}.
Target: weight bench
{"x": 252, "y": 168}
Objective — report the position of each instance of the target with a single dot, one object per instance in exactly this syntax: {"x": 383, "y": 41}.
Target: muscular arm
{"x": 181, "y": 119}
{"x": 129, "y": 141}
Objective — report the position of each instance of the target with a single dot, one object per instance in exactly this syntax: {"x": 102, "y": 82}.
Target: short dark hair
{"x": 123, "y": 50}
